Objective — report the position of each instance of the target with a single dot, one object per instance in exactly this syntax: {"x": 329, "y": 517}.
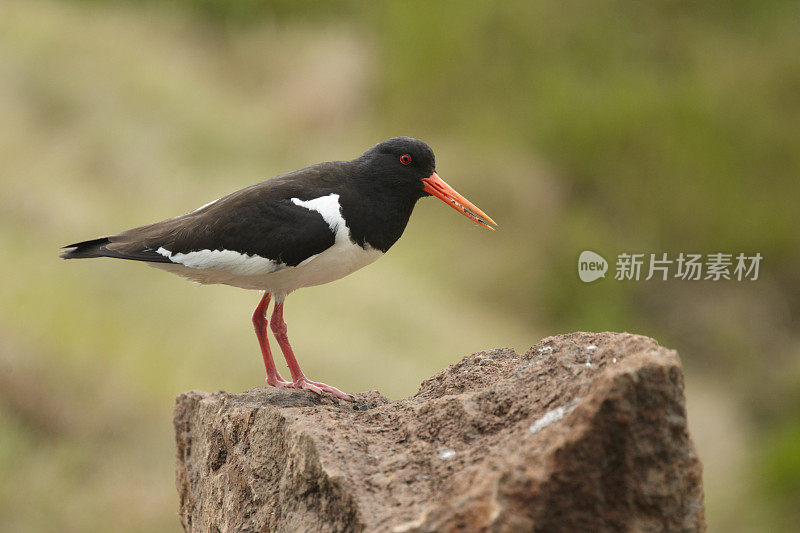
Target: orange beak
{"x": 436, "y": 186}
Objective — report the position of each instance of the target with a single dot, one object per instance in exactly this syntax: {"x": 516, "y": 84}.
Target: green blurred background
{"x": 610, "y": 126}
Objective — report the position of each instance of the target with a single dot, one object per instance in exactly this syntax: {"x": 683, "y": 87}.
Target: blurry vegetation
{"x": 611, "y": 126}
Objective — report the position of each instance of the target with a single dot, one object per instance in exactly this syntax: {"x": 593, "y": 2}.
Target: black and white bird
{"x": 299, "y": 229}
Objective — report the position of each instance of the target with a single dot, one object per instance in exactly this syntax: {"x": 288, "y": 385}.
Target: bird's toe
{"x": 277, "y": 382}
{"x": 319, "y": 388}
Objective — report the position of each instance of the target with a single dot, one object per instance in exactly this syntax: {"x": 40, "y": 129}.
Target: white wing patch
{"x": 228, "y": 260}
{"x": 331, "y": 211}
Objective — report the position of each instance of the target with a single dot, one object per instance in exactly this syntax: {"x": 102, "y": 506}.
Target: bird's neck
{"x": 378, "y": 222}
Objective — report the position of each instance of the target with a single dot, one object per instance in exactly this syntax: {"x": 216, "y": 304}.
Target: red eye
{"x": 405, "y": 159}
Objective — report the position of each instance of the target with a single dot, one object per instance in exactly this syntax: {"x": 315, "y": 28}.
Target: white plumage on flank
{"x": 234, "y": 262}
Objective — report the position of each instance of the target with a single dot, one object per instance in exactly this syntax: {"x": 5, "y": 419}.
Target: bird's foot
{"x": 305, "y": 383}
{"x": 319, "y": 388}
{"x": 278, "y": 381}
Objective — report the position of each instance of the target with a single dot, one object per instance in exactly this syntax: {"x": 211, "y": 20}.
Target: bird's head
{"x": 409, "y": 164}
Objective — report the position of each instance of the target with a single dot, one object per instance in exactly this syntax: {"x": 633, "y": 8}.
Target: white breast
{"x": 254, "y": 272}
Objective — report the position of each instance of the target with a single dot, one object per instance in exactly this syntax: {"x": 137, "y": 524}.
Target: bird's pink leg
{"x": 260, "y": 325}
{"x": 299, "y": 380}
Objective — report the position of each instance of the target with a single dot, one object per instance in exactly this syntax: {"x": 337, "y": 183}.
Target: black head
{"x": 406, "y": 168}
{"x": 400, "y": 162}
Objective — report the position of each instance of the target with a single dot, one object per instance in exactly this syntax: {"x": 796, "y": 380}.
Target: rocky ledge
{"x": 583, "y": 432}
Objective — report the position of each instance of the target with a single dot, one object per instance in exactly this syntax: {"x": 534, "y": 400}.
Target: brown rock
{"x": 563, "y": 438}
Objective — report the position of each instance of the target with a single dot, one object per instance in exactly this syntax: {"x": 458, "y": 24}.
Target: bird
{"x": 299, "y": 229}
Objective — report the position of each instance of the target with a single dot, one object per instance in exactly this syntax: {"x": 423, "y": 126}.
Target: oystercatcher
{"x": 300, "y": 229}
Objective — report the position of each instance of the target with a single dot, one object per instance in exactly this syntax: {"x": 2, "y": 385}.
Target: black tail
{"x": 86, "y": 249}
{"x": 99, "y": 248}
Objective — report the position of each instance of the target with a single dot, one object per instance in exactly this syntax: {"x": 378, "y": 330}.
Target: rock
{"x": 584, "y": 432}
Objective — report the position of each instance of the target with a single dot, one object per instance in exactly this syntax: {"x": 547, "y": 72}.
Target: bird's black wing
{"x": 260, "y": 220}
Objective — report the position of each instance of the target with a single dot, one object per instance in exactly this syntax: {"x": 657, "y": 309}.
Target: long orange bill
{"x": 436, "y": 186}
